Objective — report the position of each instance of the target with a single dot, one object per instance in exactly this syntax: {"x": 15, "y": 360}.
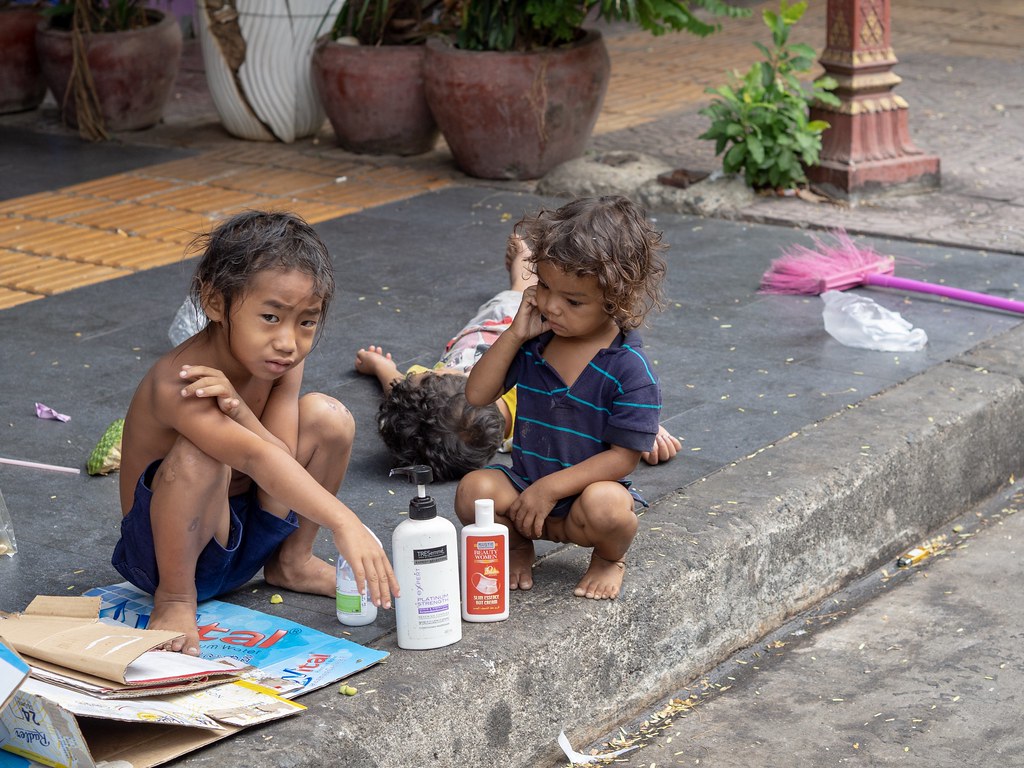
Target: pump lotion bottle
{"x": 424, "y": 552}
{"x": 484, "y": 555}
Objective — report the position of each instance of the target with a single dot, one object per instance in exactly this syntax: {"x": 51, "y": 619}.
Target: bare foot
{"x": 311, "y": 575}
{"x": 370, "y": 360}
{"x": 176, "y": 616}
{"x": 520, "y": 566}
{"x": 602, "y": 580}
{"x": 665, "y": 447}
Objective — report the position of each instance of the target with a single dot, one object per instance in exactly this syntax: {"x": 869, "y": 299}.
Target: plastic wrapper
{"x": 8, "y": 546}
{"x": 858, "y": 321}
{"x": 188, "y": 321}
{"x": 106, "y": 456}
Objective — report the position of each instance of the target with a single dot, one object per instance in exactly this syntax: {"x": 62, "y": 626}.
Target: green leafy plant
{"x": 389, "y": 22}
{"x": 761, "y": 121}
{"x": 523, "y": 25}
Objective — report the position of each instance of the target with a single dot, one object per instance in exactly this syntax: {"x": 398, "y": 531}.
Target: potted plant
{"x": 111, "y": 64}
{"x": 368, "y": 74}
{"x": 21, "y": 80}
{"x": 518, "y": 88}
{"x": 761, "y": 121}
{"x": 256, "y": 55}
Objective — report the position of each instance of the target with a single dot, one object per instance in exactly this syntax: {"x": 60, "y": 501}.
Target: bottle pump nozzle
{"x": 422, "y": 506}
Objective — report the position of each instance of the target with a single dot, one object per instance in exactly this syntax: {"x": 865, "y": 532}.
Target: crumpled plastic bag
{"x": 188, "y": 321}
{"x": 858, "y": 321}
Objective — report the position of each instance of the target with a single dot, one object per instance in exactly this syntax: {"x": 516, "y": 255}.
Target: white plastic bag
{"x": 858, "y": 321}
{"x": 189, "y": 321}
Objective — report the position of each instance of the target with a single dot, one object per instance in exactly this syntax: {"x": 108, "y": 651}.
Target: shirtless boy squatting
{"x": 218, "y": 446}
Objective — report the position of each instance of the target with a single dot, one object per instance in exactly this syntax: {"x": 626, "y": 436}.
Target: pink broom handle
{"x": 959, "y": 294}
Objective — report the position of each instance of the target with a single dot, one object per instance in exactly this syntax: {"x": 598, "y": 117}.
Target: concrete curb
{"x": 714, "y": 567}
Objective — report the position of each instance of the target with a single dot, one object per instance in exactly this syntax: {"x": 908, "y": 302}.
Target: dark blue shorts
{"x": 562, "y": 506}
{"x": 254, "y": 536}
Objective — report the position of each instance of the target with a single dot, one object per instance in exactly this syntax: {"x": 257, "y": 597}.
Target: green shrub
{"x": 524, "y": 25}
{"x": 761, "y": 120}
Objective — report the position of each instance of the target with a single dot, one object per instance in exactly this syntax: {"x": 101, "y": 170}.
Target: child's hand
{"x": 209, "y": 382}
{"x": 529, "y": 511}
{"x": 528, "y": 321}
{"x": 369, "y": 563}
{"x": 665, "y": 447}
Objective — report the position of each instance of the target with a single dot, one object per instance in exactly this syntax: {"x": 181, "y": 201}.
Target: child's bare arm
{"x": 529, "y": 511}
{"x": 373, "y": 361}
{"x": 486, "y": 381}
{"x": 276, "y": 472}
{"x": 205, "y": 382}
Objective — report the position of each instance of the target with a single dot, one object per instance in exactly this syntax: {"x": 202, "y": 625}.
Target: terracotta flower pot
{"x": 133, "y": 71}
{"x": 374, "y": 96}
{"x": 21, "y": 80}
{"x": 516, "y": 115}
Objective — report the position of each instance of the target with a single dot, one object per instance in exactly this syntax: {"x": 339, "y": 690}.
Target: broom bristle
{"x": 836, "y": 266}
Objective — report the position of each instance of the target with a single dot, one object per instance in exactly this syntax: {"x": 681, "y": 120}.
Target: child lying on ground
{"x": 588, "y": 399}
{"x": 424, "y": 417}
{"x": 218, "y": 447}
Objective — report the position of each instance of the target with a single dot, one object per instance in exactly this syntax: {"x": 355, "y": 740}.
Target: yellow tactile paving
{"x": 16, "y": 230}
{"x": 209, "y": 200}
{"x": 205, "y": 168}
{"x": 121, "y": 186}
{"x": 12, "y": 298}
{"x": 315, "y": 212}
{"x": 145, "y": 221}
{"x": 32, "y": 274}
{"x": 274, "y": 182}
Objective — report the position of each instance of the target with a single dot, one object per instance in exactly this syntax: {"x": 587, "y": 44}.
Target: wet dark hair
{"x": 253, "y": 241}
{"x": 608, "y": 238}
{"x": 427, "y": 420}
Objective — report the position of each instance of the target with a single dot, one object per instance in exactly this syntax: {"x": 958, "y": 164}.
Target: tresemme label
{"x": 432, "y": 555}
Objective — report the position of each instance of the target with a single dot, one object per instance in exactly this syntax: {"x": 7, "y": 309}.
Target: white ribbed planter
{"x": 263, "y": 89}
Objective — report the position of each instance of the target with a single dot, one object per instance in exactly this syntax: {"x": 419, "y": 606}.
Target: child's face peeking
{"x": 574, "y": 307}
{"x": 273, "y": 326}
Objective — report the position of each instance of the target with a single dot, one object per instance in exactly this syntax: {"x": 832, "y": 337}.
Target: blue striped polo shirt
{"x": 615, "y": 401}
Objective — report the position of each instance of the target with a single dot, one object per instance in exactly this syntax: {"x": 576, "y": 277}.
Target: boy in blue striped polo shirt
{"x": 588, "y": 399}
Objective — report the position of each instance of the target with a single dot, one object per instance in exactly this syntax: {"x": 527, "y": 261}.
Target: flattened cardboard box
{"x": 62, "y": 629}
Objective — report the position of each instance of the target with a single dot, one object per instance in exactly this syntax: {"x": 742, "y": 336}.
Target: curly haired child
{"x": 588, "y": 398}
{"x": 219, "y": 447}
{"x": 424, "y": 417}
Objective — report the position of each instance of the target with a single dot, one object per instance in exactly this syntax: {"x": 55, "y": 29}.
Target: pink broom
{"x": 844, "y": 265}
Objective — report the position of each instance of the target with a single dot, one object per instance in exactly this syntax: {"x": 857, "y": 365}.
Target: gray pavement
{"x": 920, "y": 666}
{"x": 805, "y": 464}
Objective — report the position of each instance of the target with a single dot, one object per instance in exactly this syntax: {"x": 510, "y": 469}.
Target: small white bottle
{"x": 484, "y": 555}
{"x": 354, "y": 607}
{"x": 425, "y": 556}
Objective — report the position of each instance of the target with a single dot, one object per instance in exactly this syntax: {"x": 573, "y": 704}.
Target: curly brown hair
{"x": 609, "y": 238}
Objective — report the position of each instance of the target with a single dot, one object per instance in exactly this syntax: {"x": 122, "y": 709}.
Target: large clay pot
{"x": 516, "y": 115}
{"x": 374, "y": 96}
{"x": 256, "y": 54}
{"x": 133, "y": 71}
{"x": 21, "y": 80}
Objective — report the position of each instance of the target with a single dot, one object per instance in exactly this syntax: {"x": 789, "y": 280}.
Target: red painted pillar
{"x": 867, "y": 149}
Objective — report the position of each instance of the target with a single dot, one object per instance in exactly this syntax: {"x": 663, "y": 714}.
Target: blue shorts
{"x": 562, "y": 506}
{"x": 254, "y": 536}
